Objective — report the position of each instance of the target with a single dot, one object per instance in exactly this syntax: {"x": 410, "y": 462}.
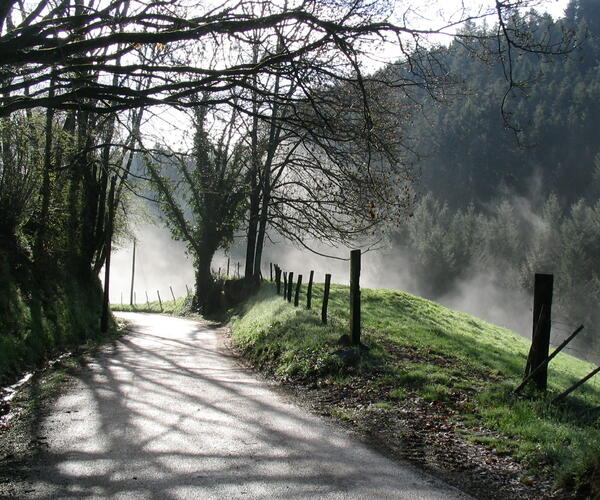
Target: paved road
{"x": 166, "y": 414}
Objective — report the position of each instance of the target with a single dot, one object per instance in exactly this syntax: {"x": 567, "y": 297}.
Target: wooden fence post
{"x": 271, "y": 270}
{"x": 309, "y": 290}
{"x": 325, "y": 298}
{"x": 159, "y": 301}
{"x": 284, "y": 285}
{"x": 238, "y": 271}
{"x": 548, "y": 359}
{"x": 540, "y": 342}
{"x": 147, "y": 300}
{"x": 228, "y": 266}
{"x": 172, "y": 294}
{"x": 355, "y": 296}
{"x": 290, "y": 286}
{"x": 278, "y": 279}
{"x": 298, "y": 286}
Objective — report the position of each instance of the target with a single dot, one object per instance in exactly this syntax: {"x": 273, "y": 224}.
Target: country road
{"x": 166, "y": 414}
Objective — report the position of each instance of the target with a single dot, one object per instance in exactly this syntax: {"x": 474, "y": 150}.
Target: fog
{"x": 162, "y": 263}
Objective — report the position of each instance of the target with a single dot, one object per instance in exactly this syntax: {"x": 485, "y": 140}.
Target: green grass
{"x": 422, "y": 349}
{"x": 180, "y": 306}
{"x": 43, "y": 313}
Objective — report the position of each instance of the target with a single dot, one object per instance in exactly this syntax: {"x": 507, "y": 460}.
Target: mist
{"x": 480, "y": 262}
{"x": 162, "y": 262}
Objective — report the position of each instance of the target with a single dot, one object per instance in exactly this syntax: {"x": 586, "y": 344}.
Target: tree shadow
{"x": 162, "y": 414}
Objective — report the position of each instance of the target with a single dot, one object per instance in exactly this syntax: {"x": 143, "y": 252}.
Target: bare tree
{"x": 202, "y": 193}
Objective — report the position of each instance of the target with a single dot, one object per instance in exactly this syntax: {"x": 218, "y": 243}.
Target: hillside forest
{"x": 504, "y": 197}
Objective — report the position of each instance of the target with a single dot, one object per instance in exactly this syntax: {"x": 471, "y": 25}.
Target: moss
{"x": 44, "y": 312}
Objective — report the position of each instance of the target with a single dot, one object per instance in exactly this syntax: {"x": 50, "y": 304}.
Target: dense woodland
{"x": 289, "y": 134}
{"x": 508, "y": 195}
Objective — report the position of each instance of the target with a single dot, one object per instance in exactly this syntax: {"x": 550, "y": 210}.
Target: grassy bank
{"x": 44, "y": 312}
{"x": 426, "y": 357}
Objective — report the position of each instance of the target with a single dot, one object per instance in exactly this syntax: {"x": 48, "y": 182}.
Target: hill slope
{"x": 435, "y": 387}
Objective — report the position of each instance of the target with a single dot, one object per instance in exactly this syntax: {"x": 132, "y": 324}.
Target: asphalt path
{"x": 167, "y": 414}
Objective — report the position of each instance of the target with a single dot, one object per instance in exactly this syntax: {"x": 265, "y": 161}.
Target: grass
{"x": 180, "y": 306}
{"x": 421, "y": 349}
{"x": 44, "y": 312}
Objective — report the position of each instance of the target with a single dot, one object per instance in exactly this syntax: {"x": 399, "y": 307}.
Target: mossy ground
{"x": 45, "y": 310}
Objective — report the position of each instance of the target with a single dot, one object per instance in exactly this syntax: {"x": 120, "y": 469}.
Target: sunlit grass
{"x": 449, "y": 356}
{"x": 178, "y": 306}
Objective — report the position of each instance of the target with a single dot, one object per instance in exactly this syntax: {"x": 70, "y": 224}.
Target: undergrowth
{"x": 44, "y": 312}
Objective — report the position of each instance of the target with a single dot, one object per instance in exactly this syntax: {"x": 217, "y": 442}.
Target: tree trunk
{"x": 255, "y": 185}
{"x": 206, "y": 299}
{"x": 252, "y": 229}
{"x": 46, "y": 189}
{"x": 262, "y": 227}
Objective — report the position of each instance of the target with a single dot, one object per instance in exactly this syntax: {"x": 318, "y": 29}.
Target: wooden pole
{"x": 309, "y": 290}
{"x": 542, "y": 313}
{"x": 172, "y": 294}
{"x": 271, "y": 270}
{"x": 132, "y": 293}
{"x": 325, "y": 298}
{"x": 548, "y": 359}
{"x": 277, "y": 278}
{"x": 530, "y": 354}
{"x": 228, "y": 266}
{"x": 147, "y": 301}
{"x": 284, "y": 285}
{"x": 575, "y": 386}
{"x": 159, "y": 301}
{"x": 290, "y": 286}
{"x": 355, "y": 296}
{"x": 238, "y": 270}
{"x": 297, "y": 294}
{"x": 219, "y": 273}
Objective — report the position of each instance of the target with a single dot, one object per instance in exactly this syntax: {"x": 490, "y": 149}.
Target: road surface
{"x": 166, "y": 414}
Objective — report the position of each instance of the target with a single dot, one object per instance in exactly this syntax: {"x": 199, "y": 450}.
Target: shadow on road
{"x": 163, "y": 414}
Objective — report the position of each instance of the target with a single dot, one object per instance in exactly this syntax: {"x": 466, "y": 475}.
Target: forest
{"x": 504, "y": 197}
{"x": 290, "y": 133}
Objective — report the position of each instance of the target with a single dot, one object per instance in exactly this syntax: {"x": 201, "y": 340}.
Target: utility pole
{"x": 132, "y": 274}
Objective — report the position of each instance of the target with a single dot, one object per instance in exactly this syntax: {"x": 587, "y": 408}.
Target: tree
{"x": 202, "y": 198}
{"x": 80, "y": 44}
{"x": 294, "y": 71}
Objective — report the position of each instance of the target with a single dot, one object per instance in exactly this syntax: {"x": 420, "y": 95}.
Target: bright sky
{"x": 436, "y": 14}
